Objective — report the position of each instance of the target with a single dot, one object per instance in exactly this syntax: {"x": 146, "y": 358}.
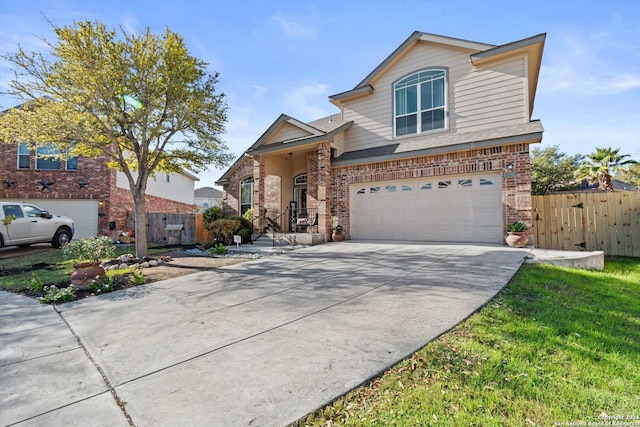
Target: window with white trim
{"x": 246, "y": 194}
{"x": 48, "y": 157}
{"x": 24, "y": 156}
{"x": 420, "y": 102}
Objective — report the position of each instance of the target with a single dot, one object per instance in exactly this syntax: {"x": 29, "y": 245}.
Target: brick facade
{"x": 98, "y": 183}
{"x": 516, "y": 187}
{"x": 231, "y": 191}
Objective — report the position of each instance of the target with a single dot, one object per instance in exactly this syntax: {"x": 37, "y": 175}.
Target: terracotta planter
{"x": 517, "y": 239}
{"x": 85, "y": 273}
{"x": 337, "y": 236}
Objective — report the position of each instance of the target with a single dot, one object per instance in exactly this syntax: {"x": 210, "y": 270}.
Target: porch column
{"x": 324, "y": 189}
{"x": 259, "y": 175}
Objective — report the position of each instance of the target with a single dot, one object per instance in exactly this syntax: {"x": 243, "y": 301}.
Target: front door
{"x": 300, "y": 194}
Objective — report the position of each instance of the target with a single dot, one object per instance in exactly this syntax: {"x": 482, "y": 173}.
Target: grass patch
{"x": 557, "y": 345}
{"x": 50, "y": 267}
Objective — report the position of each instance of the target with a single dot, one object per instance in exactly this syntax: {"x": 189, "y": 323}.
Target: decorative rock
{"x": 144, "y": 265}
{"x": 123, "y": 266}
{"x": 153, "y": 263}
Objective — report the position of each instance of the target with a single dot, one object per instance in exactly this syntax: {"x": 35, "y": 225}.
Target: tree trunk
{"x": 140, "y": 224}
{"x": 606, "y": 183}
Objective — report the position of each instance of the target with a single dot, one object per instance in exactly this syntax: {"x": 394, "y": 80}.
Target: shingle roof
{"x": 208, "y": 192}
{"x": 445, "y": 142}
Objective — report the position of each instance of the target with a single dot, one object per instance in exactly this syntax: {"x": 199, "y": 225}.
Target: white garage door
{"x": 447, "y": 209}
{"x": 83, "y": 212}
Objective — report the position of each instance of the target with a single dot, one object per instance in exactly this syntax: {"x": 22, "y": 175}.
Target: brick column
{"x": 324, "y": 189}
{"x": 259, "y": 174}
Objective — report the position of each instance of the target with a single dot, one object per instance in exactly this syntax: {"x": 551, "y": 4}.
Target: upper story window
{"x": 166, "y": 177}
{"x": 71, "y": 161}
{"x": 246, "y": 194}
{"x": 24, "y": 156}
{"x": 48, "y": 157}
{"x": 420, "y": 102}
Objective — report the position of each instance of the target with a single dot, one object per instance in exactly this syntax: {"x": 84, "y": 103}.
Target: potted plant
{"x": 87, "y": 254}
{"x": 337, "y": 233}
{"x": 517, "y": 234}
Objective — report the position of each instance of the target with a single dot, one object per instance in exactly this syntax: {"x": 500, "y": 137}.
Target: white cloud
{"x": 591, "y": 62}
{"x": 259, "y": 91}
{"x": 308, "y": 101}
{"x": 293, "y": 28}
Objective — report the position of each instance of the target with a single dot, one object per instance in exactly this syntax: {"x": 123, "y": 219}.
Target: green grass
{"x": 557, "y": 345}
{"x": 59, "y": 271}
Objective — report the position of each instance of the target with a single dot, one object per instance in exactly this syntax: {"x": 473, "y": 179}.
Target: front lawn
{"x": 557, "y": 346}
{"x": 48, "y": 267}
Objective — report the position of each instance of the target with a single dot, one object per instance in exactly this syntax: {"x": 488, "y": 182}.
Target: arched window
{"x": 246, "y": 194}
{"x": 420, "y": 102}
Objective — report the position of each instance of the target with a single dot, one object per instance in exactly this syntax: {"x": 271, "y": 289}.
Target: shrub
{"x": 218, "y": 249}
{"x": 224, "y": 229}
{"x": 35, "y": 284}
{"x": 517, "y": 227}
{"x": 102, "y": 284}
{"x": 137, "y": 277}
{"x": 54, "y": 295}
{"x": 245, "y": 233}
{"x": 212, "y": 214}
{"x": 93, "y": 249}
{"x": 248, "y": 215}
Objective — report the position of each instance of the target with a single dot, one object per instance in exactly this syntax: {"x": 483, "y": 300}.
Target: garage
{"x": 83, "y": 212}
{"x": 452, "y": 208}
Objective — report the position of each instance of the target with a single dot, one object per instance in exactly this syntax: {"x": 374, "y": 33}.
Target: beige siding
{"x": 286, "y": 132}
{"x": 491, "y": 97}
{"x": 477, "y": 97}
{"x": 180, "y": 188}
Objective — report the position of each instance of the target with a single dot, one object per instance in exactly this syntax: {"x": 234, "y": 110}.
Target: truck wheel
{"x": 61, "y": 238}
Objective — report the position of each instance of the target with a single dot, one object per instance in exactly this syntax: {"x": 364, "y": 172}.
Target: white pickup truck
{"x": 23, "y": 224}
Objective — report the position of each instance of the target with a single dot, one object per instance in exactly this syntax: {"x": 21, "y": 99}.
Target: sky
{"x": 288, "y": 57}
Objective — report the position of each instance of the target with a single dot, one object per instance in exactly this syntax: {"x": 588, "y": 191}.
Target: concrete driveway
{"x": 257, "y": 343}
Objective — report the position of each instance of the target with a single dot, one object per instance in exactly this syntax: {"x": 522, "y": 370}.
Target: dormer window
{"x": 420, "y": 102}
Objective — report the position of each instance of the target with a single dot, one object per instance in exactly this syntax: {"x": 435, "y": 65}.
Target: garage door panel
{"x": 461, "y": 208}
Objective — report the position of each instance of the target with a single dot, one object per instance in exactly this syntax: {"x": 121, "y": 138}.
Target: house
{"x": 432, "y": 145}
{"x": 207, "y": 197}
{"x": 85, "y": 189}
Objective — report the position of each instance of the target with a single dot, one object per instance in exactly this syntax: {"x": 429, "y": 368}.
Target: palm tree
{"x": 601, "y": 165}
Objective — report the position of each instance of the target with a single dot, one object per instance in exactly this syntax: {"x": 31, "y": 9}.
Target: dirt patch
{"x": 182, "y": 264}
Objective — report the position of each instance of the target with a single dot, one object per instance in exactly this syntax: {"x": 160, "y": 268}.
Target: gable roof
{"x": 319, "y": 130}
{"x": 480, "y": 53}
{"x": 207, "y": 192}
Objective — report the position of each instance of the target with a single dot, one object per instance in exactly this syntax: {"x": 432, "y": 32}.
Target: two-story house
{"x": 85, "y": 189}
{"x": 431, "y": 145}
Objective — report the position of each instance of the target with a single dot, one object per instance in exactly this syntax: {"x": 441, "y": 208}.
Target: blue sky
{"x": 288, "y": 56}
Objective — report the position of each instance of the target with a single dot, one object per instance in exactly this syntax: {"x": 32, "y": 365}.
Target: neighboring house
{"x": 432, "y": 145}
{"x": 588, "y": 186}
{"x": 207, "y": 197}
{"x": 84, "y": 189}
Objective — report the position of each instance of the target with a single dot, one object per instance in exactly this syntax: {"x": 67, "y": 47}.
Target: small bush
{"x": 93, "y": 249}
{"x": 102, "y": 284}
{"x": 224, "y": 229}
{"x": 248, "y": 215}
{"x": 35, "y": 284}
{"x": 53, "y": 295}
{"x": 218, "y": 249}
{"x": 137, "y": 277}
{"x": 212, "y": 214}
{"x": 245, "y": 233}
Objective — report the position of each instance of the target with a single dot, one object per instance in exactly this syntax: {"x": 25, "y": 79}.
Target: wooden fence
{"x": 161, "y": 228}
{"x": 608, "y": 222}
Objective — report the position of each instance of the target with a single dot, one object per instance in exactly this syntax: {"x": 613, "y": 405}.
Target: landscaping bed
{"x": 47, "y": 268}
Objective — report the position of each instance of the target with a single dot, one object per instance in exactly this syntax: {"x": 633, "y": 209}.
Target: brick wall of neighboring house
{"x": 27, "y": 183}
{"x": 516, "y": 190}
{"x": 231, "y": 191}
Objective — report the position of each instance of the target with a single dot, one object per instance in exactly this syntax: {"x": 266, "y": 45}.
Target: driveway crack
{"x": 121, "y": 403}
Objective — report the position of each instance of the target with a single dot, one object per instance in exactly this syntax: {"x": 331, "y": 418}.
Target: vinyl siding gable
{"x": 477, "y": 98}
{"x": 286, "y": 132}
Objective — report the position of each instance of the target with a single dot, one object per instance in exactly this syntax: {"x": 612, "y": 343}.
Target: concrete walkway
{"x": 260, "y": 343}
